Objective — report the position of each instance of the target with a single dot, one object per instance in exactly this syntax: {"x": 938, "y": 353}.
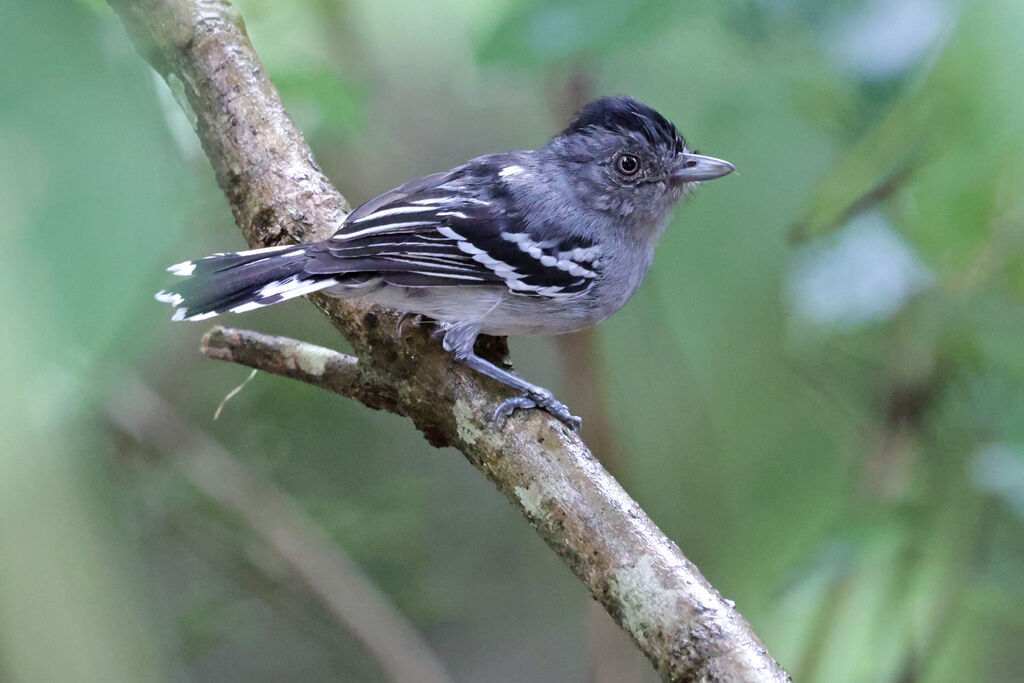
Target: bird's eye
{"x": 627, "y": 164}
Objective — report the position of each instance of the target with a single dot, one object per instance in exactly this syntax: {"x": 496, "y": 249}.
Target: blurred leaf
{"x": 538, "y": 32}
{"x": 950, "y": 141}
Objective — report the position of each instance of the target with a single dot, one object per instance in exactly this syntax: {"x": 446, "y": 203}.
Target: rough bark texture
{"x": 279, "y": 195}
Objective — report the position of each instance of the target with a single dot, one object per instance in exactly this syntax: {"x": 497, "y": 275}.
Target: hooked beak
{"x": 696, "y": 167}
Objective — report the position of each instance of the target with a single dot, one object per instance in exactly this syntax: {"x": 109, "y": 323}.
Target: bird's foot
{"x": 540, "y": 398}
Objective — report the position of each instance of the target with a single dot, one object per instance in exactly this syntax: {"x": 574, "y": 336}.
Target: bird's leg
{"x": 458, "y": 341}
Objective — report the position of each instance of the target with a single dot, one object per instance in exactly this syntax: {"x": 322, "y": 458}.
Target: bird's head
{"x": 623, "y": 157}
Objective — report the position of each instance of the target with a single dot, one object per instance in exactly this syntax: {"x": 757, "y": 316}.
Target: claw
{"x": 545, "y": 402}
{"x": 574, "y": 423}
{"x": 508, "y": 406}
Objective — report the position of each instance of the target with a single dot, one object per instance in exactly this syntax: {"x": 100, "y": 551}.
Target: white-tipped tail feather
{"x": 187, "y": 268}
{"x": 168, "y": 297}
{"x": 184, "y": 269}
{"x": 241, "y": 281}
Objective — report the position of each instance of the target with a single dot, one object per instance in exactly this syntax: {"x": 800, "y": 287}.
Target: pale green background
{"x": 831, "y": 428}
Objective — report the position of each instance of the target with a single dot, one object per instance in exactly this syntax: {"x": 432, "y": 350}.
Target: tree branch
{"x": 279, "y": 195}
{"x": 324, "y": 368}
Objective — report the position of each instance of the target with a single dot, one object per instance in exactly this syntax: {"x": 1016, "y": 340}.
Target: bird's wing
{"x": 439, "y": 231}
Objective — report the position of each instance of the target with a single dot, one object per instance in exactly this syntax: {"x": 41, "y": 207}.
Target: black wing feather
{"x": 456, "y": 228}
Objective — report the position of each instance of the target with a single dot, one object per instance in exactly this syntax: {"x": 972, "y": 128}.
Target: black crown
{"x": 624, "y": 115}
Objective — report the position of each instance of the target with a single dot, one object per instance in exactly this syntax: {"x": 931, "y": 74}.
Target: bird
{"x": 535, "y": 242}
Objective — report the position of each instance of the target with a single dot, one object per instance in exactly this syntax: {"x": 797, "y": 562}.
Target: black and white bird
{"x": 544, "y": 241}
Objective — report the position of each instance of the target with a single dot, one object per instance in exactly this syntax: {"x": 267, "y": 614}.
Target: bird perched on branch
{"x": 544, "y": 241}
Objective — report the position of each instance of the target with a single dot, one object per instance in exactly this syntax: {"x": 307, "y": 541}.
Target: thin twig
{"x": 334, "y": 371}
{"x": 231, "y": 394}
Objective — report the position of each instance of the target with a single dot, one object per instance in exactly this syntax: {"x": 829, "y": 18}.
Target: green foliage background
{"x": 823, "y": 407}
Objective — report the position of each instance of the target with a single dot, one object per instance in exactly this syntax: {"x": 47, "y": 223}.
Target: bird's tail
{"x": 241, "y": 282}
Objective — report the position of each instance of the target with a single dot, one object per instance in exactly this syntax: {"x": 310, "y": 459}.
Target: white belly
{"x": 499, "y": 312}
